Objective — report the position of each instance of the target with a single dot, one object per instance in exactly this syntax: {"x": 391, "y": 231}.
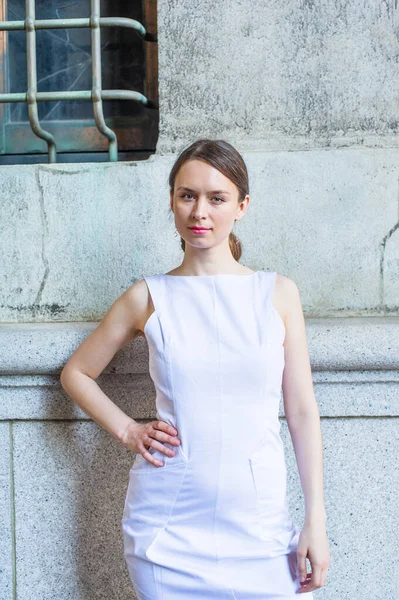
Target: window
{"x": 58, "y": 50}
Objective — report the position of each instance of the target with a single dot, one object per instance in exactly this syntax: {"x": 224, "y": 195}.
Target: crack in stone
{"x": 56, "y": 170}
{"x": 382, "y": 256}
{"x": 38, "y": 298}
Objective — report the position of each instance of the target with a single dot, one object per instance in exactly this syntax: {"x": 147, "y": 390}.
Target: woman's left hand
{"x": 313, "y": 544}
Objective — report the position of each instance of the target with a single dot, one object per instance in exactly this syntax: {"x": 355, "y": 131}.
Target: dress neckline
{"x": 209, "y": 276}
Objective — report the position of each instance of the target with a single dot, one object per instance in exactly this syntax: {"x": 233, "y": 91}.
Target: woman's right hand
{"x": 140, "y": 436}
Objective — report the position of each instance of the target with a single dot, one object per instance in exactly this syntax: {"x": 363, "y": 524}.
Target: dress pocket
{"x": 151, "y": 496}
{"x": 270, "y": 478}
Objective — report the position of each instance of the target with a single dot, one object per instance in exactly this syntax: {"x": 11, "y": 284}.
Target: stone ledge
{"x": 339, "y": 394}
{"x": 355, "y": 368}
{"x": 335, "y": 344}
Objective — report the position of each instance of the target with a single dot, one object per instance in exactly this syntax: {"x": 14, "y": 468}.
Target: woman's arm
{"x": 303, "y": 419}
{"x": 300, "y": 406}
{"x": 120, "y": 325}
{"x": 124, "y": 321}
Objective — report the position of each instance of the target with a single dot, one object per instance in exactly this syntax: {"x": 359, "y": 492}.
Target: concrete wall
{"x": 308, "y": 93}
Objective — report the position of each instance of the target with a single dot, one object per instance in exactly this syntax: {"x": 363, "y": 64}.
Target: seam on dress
{"x": 155, "y": 581}
{"x": 266, "y": 295}
{"x": 156, "y": 291}
{"x": 160, "y": 569}
{"x": 216, "y": 320}
{"x": 265, "y": 337}
{"x": 166, "y": 355}
{"x": 168, "y": 364}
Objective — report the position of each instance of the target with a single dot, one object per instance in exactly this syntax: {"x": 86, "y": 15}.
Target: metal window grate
{"x": 96, "y": 94}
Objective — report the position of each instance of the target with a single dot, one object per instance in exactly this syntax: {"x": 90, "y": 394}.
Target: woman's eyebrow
{"x": 181, "y": 187}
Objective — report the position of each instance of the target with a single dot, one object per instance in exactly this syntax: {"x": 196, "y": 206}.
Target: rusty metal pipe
{"x": 76, "y": 23}
{"x": 32, "y": 82}
{"x": 78, "y": 95}
{"x": 97, "y": 81}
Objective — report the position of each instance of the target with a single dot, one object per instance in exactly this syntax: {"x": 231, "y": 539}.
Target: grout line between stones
{"x": 12, "y": 514}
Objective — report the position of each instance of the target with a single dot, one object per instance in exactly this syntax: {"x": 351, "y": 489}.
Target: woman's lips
{"x": 199, "y": 229}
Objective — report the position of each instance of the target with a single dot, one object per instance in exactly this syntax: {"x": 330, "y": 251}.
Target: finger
{"x": 307, "y": 585}
{"x": 165, "y": 432}
{"x": 162, "y": 425}
{"x": 316, "y": 575}
{"x": 301, "y": 561}
{"x": 154, "y": 461}
{"x": 149, "y": 455}
{"x": 161, "y": 447}
{"x": 313, "y": 582}
{"x": 307, "y": 580}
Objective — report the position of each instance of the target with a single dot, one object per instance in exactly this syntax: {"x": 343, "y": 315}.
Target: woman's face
{"x": 204, "y": 197}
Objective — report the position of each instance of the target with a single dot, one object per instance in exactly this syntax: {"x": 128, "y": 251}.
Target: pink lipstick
{"x": 199, "y": 230}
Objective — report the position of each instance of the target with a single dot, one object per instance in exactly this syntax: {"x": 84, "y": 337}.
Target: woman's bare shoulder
{"x": 286, "y": 296}
{"x": 285, "y": 285}
{"x": 121, "y": 325}
{"x": 139, "y": 303}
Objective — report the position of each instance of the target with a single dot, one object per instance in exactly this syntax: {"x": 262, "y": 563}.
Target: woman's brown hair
{"x": 225, "y": 158}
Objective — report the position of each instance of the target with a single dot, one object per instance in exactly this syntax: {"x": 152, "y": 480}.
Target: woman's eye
{"x": 214, "y": 198}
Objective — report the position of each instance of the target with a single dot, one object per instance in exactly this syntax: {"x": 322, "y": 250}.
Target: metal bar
{"x": 4, "y": 110}
{"x": 32, "y": 82}
{"x": 126, "y": 95}
{"x": 76, "y": 23}
{"x": 73, "y": 136}
{"x": 46, "y": 24}
{"x": 79, "y": 95}
{"x": 97, "y": 81}
{"x": 150, "y": 18}
{"x": 124, "y": 22}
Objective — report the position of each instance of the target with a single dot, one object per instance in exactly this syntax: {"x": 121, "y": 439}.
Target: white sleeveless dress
{"x": 213, "y": 522}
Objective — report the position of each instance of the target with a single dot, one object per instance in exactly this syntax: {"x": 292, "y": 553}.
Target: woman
{"x": 206, "y": 512}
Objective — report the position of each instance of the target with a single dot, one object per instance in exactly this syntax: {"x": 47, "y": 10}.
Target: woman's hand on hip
{"x": 154, "y": 434}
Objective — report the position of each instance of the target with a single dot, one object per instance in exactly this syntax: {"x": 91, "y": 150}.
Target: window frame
{"x": 137, "y": 135}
